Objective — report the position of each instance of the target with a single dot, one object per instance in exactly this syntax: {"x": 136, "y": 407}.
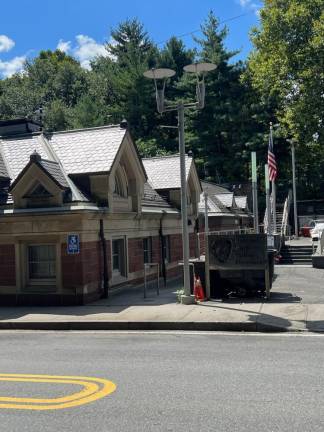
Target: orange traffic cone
{"x": 198, "y": 290}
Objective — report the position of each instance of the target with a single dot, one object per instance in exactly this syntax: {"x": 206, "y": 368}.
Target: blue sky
{"x": 80, "y": 27}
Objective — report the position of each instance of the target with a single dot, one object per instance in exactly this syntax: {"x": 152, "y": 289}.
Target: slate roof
{"x": 3, "y": 169}
{"x": 87, "y": 150}
{"x": 213, "y": 204}
{"x": 16, "y": 152}
{"x": 241, "y": 202}
{"x": 226, "y": 199}
{"x": 213, "y": 188}
{"x": 54, "y": 169}
{"x": 164, "y": 171}
{"x": 152, "y": 199}
{"x": 63, "y": 153}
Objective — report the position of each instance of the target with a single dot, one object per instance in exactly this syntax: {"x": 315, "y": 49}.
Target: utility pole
{"x": 207, "y": 274}
{"x": 184, "y": 212}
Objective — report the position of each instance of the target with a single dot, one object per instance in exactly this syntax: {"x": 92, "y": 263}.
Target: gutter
{"x": 163, "y": 268}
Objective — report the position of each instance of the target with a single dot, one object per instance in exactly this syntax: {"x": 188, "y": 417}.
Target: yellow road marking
{"x": 93, "y": 389}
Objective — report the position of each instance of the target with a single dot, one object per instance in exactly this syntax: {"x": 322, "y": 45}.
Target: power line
{"x": 199, "y": 30}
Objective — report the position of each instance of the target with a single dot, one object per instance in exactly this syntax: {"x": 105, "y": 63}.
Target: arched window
{"x": 121, "y": 186}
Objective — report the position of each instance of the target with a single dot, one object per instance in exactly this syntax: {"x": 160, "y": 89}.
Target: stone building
{"x": 81, "y": 213}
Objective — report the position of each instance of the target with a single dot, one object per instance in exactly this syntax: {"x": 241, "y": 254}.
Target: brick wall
{"x": 156, "y": 249}
{"x": 192, "y": 244}
{"x": 83, "y": 268}
{"x": 7, "y": 265}
{"x": 135, "y": 255}
{"x": 176, "y": 247}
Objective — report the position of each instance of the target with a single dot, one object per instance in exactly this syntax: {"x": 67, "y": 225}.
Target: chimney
{"x": 123, "y": 124}
{"x": 20, "y": 126}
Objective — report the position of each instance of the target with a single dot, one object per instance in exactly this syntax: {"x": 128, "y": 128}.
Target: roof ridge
{"x": 48, "y": 160}
{"x": 75, "y": 190}
{"x": 84, "y": 129}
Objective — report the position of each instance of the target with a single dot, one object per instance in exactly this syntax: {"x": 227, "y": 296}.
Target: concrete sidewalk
{"x": 128, "y": 310}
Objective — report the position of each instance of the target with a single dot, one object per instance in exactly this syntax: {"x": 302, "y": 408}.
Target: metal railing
{"x": 149, "y": 265}
{"x": 285, "y": 216}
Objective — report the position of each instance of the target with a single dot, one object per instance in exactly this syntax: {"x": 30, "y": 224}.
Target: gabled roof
{"x": 164, "y": 171}
{"x": 213, "y": 204}
{"x": 17, "y": 150}
{"x": 87, "y": 150}
{"x": 83, "y": 151}
{"x": 227, "y": 199}
{"x": 50, "y": 168}
{"x": 152, "y": 199}
{"x": 213, "y": 188}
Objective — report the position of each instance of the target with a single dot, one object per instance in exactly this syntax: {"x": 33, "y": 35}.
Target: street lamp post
{"x": 160, "y": 76}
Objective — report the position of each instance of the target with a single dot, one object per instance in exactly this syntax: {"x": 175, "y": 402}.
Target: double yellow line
{"x": 93, "y": 389}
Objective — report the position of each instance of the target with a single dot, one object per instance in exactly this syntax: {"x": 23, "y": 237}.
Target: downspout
{"x": 197, "y": 244}
{"x": 104, "y": 253}
{"x": 163, "y": 268}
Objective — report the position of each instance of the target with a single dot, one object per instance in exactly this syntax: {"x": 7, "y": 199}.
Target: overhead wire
{"x": 200, "y": 30}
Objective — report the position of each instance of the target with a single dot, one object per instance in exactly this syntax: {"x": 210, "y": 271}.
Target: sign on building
{"x": 236, "y": 252}
{"x": 73, "y": 244}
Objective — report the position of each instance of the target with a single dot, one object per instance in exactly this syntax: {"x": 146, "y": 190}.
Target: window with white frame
{"x": 147, "y": 250}
{"x": 41, "y": 262}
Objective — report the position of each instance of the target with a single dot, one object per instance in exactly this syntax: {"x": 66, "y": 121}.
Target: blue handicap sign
{"x": 73, "y": 244}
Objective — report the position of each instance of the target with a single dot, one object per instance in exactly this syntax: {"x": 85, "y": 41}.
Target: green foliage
{"x": 287, "y": 66}
{"x": 282, "y": 82}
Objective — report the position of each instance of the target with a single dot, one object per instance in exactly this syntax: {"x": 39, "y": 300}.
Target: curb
{"x": 148, "y": 325}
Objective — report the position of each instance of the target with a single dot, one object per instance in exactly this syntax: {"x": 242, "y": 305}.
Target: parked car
{"x": 316, "y": 232}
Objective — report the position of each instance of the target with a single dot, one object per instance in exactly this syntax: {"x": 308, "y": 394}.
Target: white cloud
{"x": 250, "y": 4}
{"x": 87, "y": 49}
{"x": 64, "y": 46}
{"x": 6, "y": 44}
{"x": 10, "y": 67}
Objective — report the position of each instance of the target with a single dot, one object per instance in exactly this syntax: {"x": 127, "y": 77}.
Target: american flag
{"x": 272, "y": 164}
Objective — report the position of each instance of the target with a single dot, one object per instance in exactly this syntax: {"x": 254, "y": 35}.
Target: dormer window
{"x": 38, "y": 191}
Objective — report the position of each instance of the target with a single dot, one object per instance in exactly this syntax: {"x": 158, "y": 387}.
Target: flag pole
{"x": 255, "y": 192}
{"x": 267, "y": 187}
{"x": 273, "y": 186}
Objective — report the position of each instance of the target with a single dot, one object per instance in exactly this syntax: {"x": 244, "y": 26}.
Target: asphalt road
{"x": 297, "y": 285}
{"x": 169, "y": 382}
